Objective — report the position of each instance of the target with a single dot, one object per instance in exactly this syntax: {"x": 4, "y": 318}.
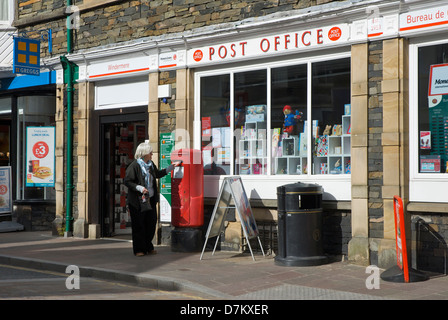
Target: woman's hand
{"x": 142, "y": 189}
{"x": 178, "y": 163}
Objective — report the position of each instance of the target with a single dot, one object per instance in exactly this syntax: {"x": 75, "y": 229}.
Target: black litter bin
{"x": 300, "y": 225}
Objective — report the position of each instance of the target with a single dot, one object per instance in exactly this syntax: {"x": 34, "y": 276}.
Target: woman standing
{"x": 140, "y": 179}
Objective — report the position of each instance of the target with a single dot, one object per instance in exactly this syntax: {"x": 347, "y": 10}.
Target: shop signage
{"x": 166, "y": 146}
{"x": 269, "y": 45}
{"x": 40, "y": 156}
{"x": 433, "y": 17}
{"x": 26, "y": 56}
{"x": 122, "y": 67}
{"x": 400, "y": 238}
{"x": 5, "y": 190}
{"x": 382, "y": 26}
{"x": 172, "y": 59}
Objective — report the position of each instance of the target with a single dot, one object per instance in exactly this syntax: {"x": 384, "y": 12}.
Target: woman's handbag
{"x": 145, "y": 205}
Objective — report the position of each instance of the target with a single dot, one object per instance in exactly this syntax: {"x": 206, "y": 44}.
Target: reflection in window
{"x": 215, "y": 121}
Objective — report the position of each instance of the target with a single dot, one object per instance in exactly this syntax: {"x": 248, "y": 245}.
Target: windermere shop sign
{"x": 270, "y": 45}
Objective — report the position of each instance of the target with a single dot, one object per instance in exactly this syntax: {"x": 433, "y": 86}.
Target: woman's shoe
{"x": 139, "y": 254}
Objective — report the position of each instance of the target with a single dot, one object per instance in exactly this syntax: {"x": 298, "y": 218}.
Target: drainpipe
{"x": 69, "y": 76}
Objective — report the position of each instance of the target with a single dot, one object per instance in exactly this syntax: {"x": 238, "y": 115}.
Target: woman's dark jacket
{"x": 134, "y": 177}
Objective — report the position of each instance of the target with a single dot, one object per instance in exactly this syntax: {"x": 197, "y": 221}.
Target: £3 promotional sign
{"x": 40, "y": 159}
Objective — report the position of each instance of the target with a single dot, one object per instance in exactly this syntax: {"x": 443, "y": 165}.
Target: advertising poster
{"x": 166, "y": 146}
{"x": 5, "y": 190}
{"x": 400, "y": 237}
{"x": 40, "y": 156}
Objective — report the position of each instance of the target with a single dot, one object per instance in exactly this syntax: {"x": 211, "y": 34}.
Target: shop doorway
{"x": 118, "y": 141}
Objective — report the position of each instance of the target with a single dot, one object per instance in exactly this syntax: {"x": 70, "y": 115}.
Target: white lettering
{"x": 373, "y": 280}
{"x": 192, "y": 310}
{"x": 72, "y": 282}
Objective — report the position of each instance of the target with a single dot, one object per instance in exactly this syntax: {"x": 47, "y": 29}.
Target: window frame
{"x": 338, "y": 185}
{"x": 10, "y": 13}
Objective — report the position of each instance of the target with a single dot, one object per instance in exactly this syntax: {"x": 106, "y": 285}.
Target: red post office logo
{"x": 335, "y": 34}
{"x": 198, "y": 55}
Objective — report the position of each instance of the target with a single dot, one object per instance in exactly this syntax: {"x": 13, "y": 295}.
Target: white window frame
{"x": 336, "y": 187}
{"x": 11, "y": 4}
{"x": 423, "y": 187}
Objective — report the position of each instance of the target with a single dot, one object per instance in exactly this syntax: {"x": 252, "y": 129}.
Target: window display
{"x": 288, "y": 117}
{"x": 433, "y": 109}
{"x": 331, "y": 117}
{"x": 276, "y": 119}
{"x": 250, "y": 96}
{"x": 215, "y": 122}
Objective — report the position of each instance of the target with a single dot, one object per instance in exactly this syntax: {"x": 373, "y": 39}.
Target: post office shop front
{"x": 278, "y": 119}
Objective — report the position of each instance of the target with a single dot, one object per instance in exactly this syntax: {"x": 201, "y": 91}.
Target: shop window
{"x": 276, "y": 120}
{"x": 5, "y": 131}
{"x": 250, "y": 98}
{"x": 331, "y": 117}
{"x": 33, "y": 111}
{"x": 433, "y": 109}
{"x": 215, "y": 121}
{"x": 288, "y": 120}
{"x": 4, "y": 10}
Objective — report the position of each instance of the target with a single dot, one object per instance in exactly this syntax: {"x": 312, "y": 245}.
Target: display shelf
{"x": 252, "y": 149}
{"x": 335, "y": 159}
{"x": 290, "y": 165}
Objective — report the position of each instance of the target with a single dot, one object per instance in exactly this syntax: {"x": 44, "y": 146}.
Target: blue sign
{"x": 26, "y": 56}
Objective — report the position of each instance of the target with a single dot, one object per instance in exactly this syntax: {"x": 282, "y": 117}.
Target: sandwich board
{"x": 232, "y": 189}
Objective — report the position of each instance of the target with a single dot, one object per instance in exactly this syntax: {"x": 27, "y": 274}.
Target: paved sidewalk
{"x": 223, "y": 276}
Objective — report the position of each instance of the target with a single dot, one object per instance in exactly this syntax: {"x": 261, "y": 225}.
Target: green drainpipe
{"x": 69, "y": 78}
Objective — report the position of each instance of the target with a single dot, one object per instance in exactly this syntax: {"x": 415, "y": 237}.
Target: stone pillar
{"x": 358, "y": 248}
{"x": 184, "y": 108}
{"x": 58, "y": 225}
{"x": 81, "y": 225}
{"x": 395, "y": 140}
{"x": 153, "y": 115}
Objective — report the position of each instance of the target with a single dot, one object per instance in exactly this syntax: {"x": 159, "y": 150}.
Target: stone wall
{"x": 429, "y": 242}
{"x": 375, "y": 149}
{"x": 119, "y": 21}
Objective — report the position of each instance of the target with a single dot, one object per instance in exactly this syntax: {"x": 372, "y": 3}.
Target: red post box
{"x": 187, "y": 200}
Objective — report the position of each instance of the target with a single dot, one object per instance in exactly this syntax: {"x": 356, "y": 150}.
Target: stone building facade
{"x": 359, "y": 223}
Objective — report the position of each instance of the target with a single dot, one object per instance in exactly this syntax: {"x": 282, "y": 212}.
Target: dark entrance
{"x": 119, "y": 137}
